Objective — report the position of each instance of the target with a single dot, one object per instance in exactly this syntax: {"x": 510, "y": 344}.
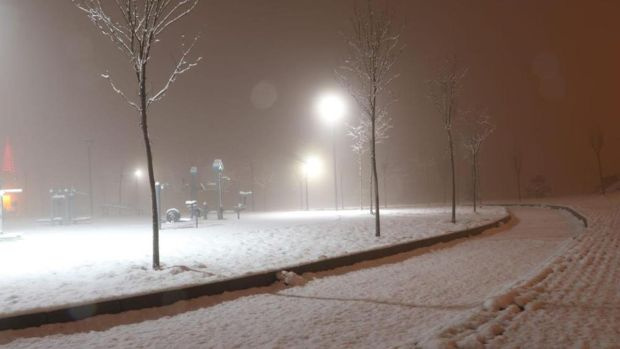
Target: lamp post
{"x": 218, "y": 167}
{"x": 137, "y": 174}
{"x": 331, "y": 109}
{"x": 310, "y": 168}
{"x": 89, "y": 144}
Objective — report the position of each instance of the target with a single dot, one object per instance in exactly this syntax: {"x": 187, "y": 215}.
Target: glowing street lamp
{"x": 310, "y": 168}
{"x": 332, "y": 108}
{"x": 137, "y": 174}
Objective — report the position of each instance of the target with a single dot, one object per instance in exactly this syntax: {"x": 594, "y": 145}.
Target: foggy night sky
{"x": 547, "y": 71}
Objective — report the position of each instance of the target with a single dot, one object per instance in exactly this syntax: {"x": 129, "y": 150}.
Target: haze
{"x": 546, "y": 71}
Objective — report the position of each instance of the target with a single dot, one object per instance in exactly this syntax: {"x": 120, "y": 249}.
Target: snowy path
{"x": 573, "y": 302}
{"x": 398, "y": 301}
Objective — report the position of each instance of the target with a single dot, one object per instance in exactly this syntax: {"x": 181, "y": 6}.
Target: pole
{"x": 301, "y": 195}
{"x": 335, "y": 164}
{"x": 89, "y": 144}
{"x": 120, "y": 190}
{"x": 137, "y": 196}
{"x": 307, "y": 201}
{"x": 220, "y": 214}
{"x": 252, "y": 186}
{"x": 158, "y": 197}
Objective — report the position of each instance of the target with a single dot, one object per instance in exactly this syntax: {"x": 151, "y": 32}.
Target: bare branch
{"x": 182, "y": 66}
{"x": 119, "y": 91}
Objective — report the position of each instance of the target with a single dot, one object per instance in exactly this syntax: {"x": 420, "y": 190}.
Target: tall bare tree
{"x": 373, "y": 45}
{"x": 361, "y": 137}
{"x": 135, "y": 27}
{"x": 475, "y": 128}
{"x": 597, "y": 142}
{"x": 444, "y": 91}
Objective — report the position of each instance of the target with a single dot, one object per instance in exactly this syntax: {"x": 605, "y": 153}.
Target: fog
{"x": 547, "y": 73}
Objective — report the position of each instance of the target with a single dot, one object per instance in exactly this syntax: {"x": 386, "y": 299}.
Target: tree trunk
{"x": 374, "y": 174}
{"x": 453, "y": 176}
{"x": 149, "y": 164}
{"x": 370, "y": 191}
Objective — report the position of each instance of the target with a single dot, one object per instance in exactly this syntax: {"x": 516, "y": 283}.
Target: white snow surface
{"x": 572, "y": 301}
{"x": 408, "y": 300}
{"x": 55, "y": 266}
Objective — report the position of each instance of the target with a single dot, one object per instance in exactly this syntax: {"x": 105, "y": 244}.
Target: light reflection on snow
{"x": 63, "y": 264}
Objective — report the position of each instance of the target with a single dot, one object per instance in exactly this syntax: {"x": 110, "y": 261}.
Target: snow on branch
{"x": 475, "y": 129}
{"x": 119, "y": 91}
{"x": 361, "y": 133}
{"x": 182, "y": 66}
{"x": 373, "y": 46}
{"x": 444, "y": 90}
{"x": 139, "y": 25}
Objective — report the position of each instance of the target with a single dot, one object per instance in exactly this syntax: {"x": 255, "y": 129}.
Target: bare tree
{"x": 134, "y": 27}
{"x": 444, "y": 91}
{"x": 361, "y": 137}
{"x": 359, "y": 142}
{"x": 475, "y": 129}
{"x": 517, "y": 164}
{"x": 373, "y": 47}
{"x": 597, "y": 142}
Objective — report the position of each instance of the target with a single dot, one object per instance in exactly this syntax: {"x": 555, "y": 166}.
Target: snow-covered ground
{"x": 400, "y": 301}
{"x": 60, "y": 265}
{"x": 573, "y": 301}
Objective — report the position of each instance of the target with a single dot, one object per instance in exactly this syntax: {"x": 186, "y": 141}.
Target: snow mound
{"x": 501, "y": 301}
{"x": 290, "y": 278}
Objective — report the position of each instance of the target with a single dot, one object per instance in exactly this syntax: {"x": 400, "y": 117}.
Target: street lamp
{"x": 218, "y": 168}
{"x": 137, "y": 174}
{"x": 310, "y": 169}
{"x": 332, "y": 108}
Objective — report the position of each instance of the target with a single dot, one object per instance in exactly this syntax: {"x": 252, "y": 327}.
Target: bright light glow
{"x": 138, "y": 173}
{"x": 331, "y": 108}
{"x": 312, "y": 167}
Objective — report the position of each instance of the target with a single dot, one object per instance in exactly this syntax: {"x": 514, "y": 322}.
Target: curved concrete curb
{"x": 568, "y": 209}
{"x": 261, "y": 279}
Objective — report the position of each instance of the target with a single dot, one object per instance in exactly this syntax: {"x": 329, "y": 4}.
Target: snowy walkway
{"x": 54, "y": 266}
{"x": 398, "y": 301}
{"x": 574, "y": 302}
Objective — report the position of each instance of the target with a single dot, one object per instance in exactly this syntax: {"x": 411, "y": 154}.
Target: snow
{"x": 52, "y": 266}
{"x": 399, "y": 301}
{"x": 573, "y": 300}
